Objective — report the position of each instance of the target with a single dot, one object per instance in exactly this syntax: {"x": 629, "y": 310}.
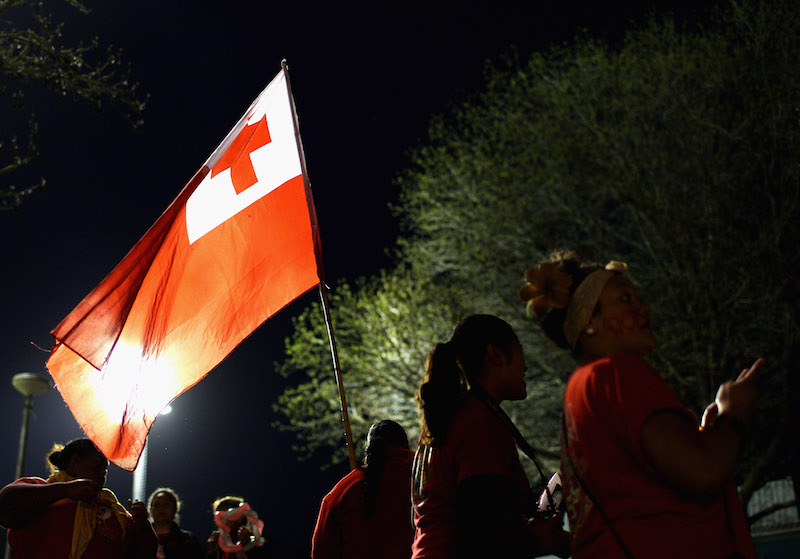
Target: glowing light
{"x": 122, "y": 382}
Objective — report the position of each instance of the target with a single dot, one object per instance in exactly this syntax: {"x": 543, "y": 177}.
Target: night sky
{"x": 366, "y": 82}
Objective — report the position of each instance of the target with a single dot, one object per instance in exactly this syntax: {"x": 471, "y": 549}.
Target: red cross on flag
{"x": 238, "y": 244}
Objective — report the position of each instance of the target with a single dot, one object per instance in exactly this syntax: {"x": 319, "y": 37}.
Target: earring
{"x": 590, "y": 331}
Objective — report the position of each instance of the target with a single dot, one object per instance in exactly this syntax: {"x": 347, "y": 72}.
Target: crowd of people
{"x": 641, "y": 476}
{"x": 72, "y": 515}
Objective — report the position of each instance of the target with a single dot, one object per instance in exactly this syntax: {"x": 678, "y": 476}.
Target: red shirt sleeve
{"x": 325, "y": 543}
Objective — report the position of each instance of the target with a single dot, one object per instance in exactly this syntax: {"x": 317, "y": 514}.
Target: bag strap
{"x": 616, "y": 535}
{"x": 523, "y": 444}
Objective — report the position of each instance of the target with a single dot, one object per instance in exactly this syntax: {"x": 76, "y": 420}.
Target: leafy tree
{"x": 34, "y": 54}
{"x": 676, "y": 151}
{"x": 382, "y": 330}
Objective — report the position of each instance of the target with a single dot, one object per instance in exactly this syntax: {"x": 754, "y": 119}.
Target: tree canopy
{"x": 33, "y": 53}
{"x": 676, "y": 151}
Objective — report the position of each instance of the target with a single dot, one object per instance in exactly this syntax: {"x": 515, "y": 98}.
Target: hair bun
{"x": 546, "y": 287}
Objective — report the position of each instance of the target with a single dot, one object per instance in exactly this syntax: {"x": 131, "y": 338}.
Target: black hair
{"x": 382, "y": 434}
{"x": 173, "y": 496}
{"x": 452, "y": 367}
{"x": 59, "y": 455}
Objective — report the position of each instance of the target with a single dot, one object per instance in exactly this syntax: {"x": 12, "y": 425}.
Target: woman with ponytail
{"x": 642, "y": 477}
{"x": 367, "y": 514}
{"x": 70, "y": 515}
{"x": 471, "y": 495}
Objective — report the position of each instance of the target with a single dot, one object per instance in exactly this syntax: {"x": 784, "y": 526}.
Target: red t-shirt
{"x": 49, "y": 535}
{"x": 342, "y": 530}
{"x": 477, "y": 443}
{"x": 606, "y": 404}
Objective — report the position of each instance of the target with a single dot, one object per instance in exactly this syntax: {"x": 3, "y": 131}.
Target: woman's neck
{"x": 489, "y": 389}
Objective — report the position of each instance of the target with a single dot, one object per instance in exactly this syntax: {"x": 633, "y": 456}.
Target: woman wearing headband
{"x": 471, "y": 496}
{"x": 641, "y": 477}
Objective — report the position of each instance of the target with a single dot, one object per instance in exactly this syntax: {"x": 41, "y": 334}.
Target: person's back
{"x": 368, "y": 514}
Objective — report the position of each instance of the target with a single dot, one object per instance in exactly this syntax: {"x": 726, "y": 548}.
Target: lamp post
{"x": 140, "y": 475}
{"x": 29, "y": 385}
{"x": 139, "y": 489}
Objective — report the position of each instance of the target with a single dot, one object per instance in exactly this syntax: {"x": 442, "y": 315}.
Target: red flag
{"x": 239, "y": 243}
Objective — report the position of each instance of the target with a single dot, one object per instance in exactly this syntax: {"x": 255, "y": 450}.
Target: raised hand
{"x": 138, "y": 512}
{"x": 737, "y": 398}
{"x": 709, "y": 415}
{"x": 143, "y": 533}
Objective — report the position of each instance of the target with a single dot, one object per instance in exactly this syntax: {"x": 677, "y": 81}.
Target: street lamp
{"x": 139, "y": 488}
{"x": 29, "y": 385}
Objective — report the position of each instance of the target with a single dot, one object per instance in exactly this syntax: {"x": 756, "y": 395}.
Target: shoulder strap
{"x": 523, "y": 444}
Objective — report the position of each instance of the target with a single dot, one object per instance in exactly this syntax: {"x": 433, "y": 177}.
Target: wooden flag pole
{"x": 348, "y": 435}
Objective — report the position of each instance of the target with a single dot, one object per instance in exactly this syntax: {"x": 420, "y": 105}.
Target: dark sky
{"x": 366, "y": 82}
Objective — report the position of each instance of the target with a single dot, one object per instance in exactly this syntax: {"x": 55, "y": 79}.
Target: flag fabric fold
{"x": 238, "y": 244}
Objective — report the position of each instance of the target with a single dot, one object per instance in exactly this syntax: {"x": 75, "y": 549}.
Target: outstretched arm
{"x": 22, "y": 502}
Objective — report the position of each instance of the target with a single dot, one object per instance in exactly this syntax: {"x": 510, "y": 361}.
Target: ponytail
{"x": 441, "y": 392}
{"x": 452, "y": 367}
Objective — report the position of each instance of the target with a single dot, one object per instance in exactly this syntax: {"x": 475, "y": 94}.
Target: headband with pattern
{"x": 547, "y": 287}
{"x": 581, "y": 304}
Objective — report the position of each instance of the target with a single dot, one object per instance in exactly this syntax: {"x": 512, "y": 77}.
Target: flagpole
{"x": 322, "y": 293}
{"x": 348, "y": 435}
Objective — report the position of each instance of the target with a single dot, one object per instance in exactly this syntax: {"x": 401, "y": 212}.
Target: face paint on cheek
{"x": 626, "y": 323}
{"x": 612, "y": 325}
{"x": 631, "y": 321}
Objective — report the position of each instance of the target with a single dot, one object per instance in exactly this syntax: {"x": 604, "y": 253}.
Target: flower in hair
{"x": 616, "y": 266}
{"x": 546, "y": 288}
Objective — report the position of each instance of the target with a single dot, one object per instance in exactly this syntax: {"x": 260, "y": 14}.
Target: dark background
{"x": 366, "y": 81}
